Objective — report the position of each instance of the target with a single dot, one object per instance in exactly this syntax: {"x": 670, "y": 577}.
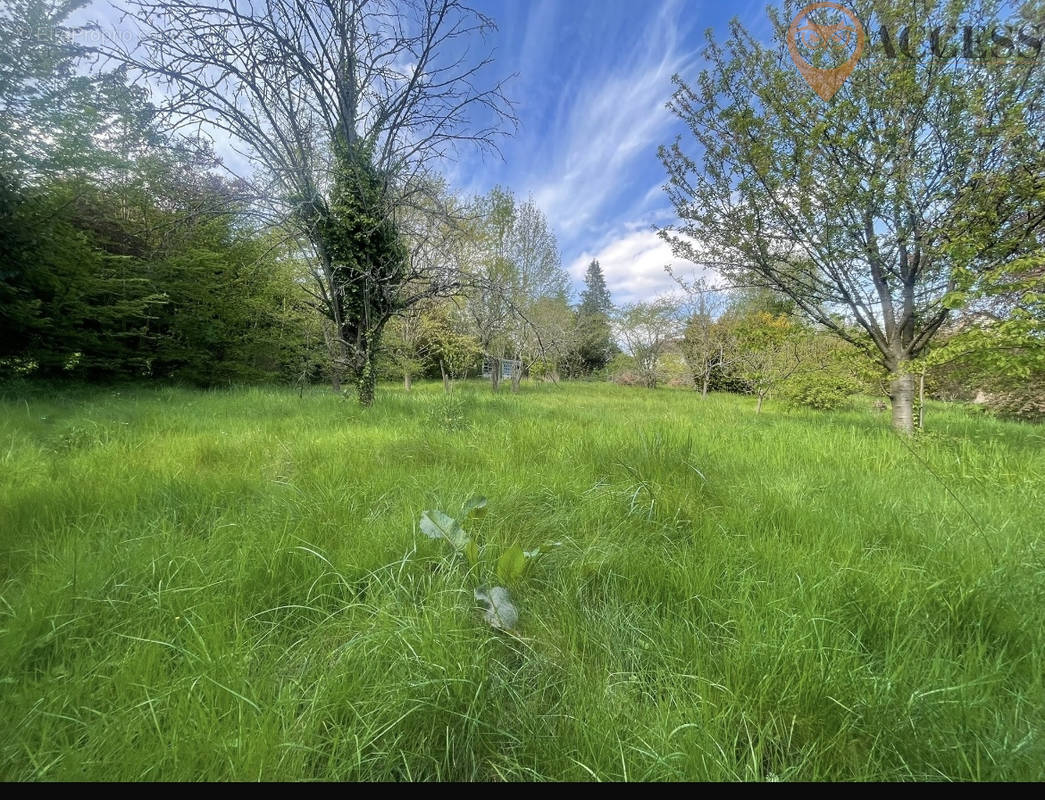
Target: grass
{"x": 232, "y": 585}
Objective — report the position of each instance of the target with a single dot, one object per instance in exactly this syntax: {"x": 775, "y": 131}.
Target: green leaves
{"x": 512, "y": 564}
{"x": 471, "y": 553}
{"x": 500, "y": 611}
{"x": 507, "y": 566}
{"x": 437, "y": 525}
{"x": 475, "y": 507}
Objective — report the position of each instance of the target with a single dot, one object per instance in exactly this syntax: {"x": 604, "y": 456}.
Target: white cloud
{"x": 634, "y": 266}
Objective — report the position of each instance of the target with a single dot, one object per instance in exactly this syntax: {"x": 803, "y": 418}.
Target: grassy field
{"x": 233, "y": 585}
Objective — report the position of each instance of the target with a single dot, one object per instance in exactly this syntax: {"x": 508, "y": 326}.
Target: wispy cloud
{"x": 609, "y": 123}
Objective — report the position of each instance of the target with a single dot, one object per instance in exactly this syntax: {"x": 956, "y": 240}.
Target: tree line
{"x": 893, "y": 234}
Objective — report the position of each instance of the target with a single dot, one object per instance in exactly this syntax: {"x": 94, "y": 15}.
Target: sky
{"x": 591, "y": 79}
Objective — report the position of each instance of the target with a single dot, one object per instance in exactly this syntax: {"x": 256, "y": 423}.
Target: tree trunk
{"x": 367, "y": 385}
{"x": 921, "y": 400}
{"x": 902, "y": 395}
{"x": 361, "y": 348}
{"x": 516, "y": 377}
{"x": 758, "y": 408}
{"x": 704, "y": 385}
{"x": 406, "y": 379}
{"x": 495, "y": 373}
{"x": 446, "y": 378}
{"x": 336, "y": 352}
{"x": 366, "y": 378}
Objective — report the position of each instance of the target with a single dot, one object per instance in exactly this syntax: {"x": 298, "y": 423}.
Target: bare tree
{"x": 346, "y": 110}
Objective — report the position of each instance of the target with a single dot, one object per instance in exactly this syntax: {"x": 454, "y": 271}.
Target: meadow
{"x": 233, "y": 585}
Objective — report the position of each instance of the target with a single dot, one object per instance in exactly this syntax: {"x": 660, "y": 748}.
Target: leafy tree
{"x": 69, "y": 304}
{"x": 829, "y": 375}
{"x": 155, "y": 275}
{"x": 516, "y": 267}
{"x": 595, "y": 345}
{"x": 998, "y": 341}
{"x": 233, "y": 311}
{"x": 647, "y": 330}
{"x": 449, "y": 342}
{"x": 919, "y": 174}
{"x": 405, "y": 345}
{"x": 56, "y": 118}
{"x": 547, "y": 337}
{"x": 492, "y": 276}
{"x": 707, "y": 344}
{"x": 770, "y": 349}
{"x": 367, "y": 261}
{"x": 537, "y": 290}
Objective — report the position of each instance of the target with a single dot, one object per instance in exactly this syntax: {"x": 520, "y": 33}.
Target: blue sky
{"x": 593, "y": 77}
{"x": 591, "y": 81}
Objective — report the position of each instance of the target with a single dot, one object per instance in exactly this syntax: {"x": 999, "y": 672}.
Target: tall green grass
{"x": 232, "y": 585}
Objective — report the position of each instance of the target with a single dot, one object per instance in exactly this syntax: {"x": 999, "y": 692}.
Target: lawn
{"x": 233, "y": 585}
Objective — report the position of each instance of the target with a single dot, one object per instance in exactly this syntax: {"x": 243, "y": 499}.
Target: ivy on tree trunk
{"x": 366, "y": 261}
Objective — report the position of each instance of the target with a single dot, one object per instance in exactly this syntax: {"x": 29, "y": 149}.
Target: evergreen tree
{"x": 595, "y": 299}
{"x": 595, "y": 346}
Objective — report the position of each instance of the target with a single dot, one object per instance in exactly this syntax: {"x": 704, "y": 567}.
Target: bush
{"x": 672, "y": 370}
{"x": 621, "y": 370}
{"x": 819, "y": 390}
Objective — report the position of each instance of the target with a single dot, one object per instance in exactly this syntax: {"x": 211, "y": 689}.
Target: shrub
{"x": 821, "y": 390}
{"x": 621, "y": 370}
{"x": 672, "y": 370}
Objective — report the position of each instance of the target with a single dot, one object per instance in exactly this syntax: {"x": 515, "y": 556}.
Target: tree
{"x": 595, "y": 347}
{"x": 516, "y": 265}
{"x": 449, "y": 342}
{"x": 832, "y": 370}
{"x": 145, "y": 277}
{"x": 491, "y": 276}
{"x": 595, "y": 299}
{"x": 56, "y": 119}
{"x": 707, "y": 344}
{"x": 546, "y": 337}
{"x": 406, "y": 343}
{"x": 346, "y": 110}
{"x": 921, "y": 172}
{"x": 537, "y": 290}
{"x": 647, "y": 329}
{"x": 997, "y": 341}
{"x": 68, "y": 304}
{"x": 769, "y": 351}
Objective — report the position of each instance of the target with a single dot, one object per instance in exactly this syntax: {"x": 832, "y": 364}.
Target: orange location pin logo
{"x": 826, "y": 38}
